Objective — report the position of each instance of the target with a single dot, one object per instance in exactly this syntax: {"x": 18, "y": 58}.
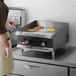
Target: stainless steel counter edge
{"x": 63, "y": 63}
{"x": 45, "y": 61}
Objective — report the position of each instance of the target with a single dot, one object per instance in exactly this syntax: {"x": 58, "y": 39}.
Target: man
{"x": 6, "y": 59}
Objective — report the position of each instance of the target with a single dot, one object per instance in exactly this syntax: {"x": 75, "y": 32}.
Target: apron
{"x": 6, "y": 65}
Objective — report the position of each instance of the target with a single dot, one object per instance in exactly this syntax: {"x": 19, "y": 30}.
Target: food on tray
{"x": 39, "y": 27}
{"x": 33, "y": 30}
{"x": 51, "y": 30}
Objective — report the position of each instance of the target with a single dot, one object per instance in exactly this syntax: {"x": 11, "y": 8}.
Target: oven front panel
{"x": 35, "y": 41}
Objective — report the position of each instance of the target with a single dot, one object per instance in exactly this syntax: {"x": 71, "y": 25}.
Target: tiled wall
{"x": 55, "y": 10}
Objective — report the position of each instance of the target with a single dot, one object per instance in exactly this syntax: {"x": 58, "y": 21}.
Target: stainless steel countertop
{"x": 68, "y": 59}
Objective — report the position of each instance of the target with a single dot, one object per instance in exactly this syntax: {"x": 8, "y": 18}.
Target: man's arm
{"x": 3, "y": 32}
{"x": 4, "y": 40}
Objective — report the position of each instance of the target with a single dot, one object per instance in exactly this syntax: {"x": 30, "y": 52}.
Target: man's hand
{"x": 12, "y": 23}
{"x": 7, "y": 53}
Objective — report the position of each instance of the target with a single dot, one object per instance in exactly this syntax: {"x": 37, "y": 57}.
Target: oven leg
{"x": 22, "y": 50}
{"x": 53, "y": 55}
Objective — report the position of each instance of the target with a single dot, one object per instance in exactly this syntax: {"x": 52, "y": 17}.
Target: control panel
{"x": 35, "y": 41}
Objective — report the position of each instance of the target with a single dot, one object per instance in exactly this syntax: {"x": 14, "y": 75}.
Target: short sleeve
{"x": 3, "y": 18}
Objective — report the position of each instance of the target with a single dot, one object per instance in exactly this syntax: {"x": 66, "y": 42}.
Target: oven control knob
{"x": 43, "y": 44}
{"x": 27, "y": 42}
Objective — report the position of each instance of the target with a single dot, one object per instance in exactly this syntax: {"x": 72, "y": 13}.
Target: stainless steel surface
{"x": 60, "y": 27}
{"x": 67, "y": 59}
{"x": 32, "y": 66}
{"x": 36, "y": 34}
{"x": 60, "y": 37}
{"x": 72, "y": 72}
{"x": 33, "y": 48}
{"x": 37, "y": 69}
{"x": 17, "y": 15}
